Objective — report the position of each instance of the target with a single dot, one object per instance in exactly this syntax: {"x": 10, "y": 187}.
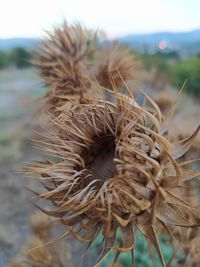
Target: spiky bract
{"x": 111, "y": 167}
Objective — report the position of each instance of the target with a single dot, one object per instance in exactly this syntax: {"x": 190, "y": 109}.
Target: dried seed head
{"x": 38, "y": 251}
{"x": 62, "y": 62}
{"x": 41, "y": 226}
{"x": 38, "y": 255}
{"x": 115, "y": 63}
{"x": 164, "y": 100}
{"x": 113, "y": 168}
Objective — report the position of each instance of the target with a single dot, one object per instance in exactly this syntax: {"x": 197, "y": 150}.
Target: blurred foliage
{"x": 187, "y": 70}
{"x": 176, "y": 69}
{"x": 4, "y": 59}
{"x": 18, "y": 57}
{"x": 159, "y": 60}
{"x": 145, "y": 256}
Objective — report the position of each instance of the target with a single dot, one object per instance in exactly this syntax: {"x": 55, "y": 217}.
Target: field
{"x": 19, "y": 94}
{"x": 18, "y": 89}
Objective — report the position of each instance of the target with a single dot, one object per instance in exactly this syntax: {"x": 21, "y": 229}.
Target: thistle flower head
{"x": 112, "y": 168}
{"x": 62, "y": 62}
{"x": 115, "y": 62}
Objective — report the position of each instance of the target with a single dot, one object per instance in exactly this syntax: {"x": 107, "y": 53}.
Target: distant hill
{"x": 28, "y": 43}
{"x": 180, "y": 40}
{"x": 192, "y": 36}
{"x": 184, "y": 42}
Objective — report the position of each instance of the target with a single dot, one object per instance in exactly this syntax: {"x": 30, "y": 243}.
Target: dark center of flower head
{"x": 99, "y": 158}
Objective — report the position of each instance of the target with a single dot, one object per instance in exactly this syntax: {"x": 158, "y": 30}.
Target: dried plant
{"x": 39, "y": 252}
{"x": 39, "y": 256}
{"x": 62, "y": 62}
{"x": 114, "y": 62}
{"x": 110, "y": 166}
{"x": 165, "y": 100}
{"x": 68, "y": 61}
{"x": 41, "y": 226}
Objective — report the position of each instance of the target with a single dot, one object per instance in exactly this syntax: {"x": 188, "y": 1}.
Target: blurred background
{"x": 164, "y": 35}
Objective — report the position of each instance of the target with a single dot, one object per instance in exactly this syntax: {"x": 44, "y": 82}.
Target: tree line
{"x": 18, "y": 57}
{"x": 176, "y": 69}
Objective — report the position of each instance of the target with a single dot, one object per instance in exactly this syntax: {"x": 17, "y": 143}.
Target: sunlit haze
{"x": 22, "y": 18}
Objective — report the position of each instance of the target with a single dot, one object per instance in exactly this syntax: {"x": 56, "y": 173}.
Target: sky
{"x": 29, "y": 18}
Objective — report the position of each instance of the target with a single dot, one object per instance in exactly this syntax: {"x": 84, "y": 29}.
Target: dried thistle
{"x": 38, "y": 252}
{"x": 41, "y": 226}
{"x": 62, "y": 62}
{"x": 110, "y": 167}
{"x": 114, "y": 62}
{"x": 165, "y": 100}
{"x": 39, "y": 255}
